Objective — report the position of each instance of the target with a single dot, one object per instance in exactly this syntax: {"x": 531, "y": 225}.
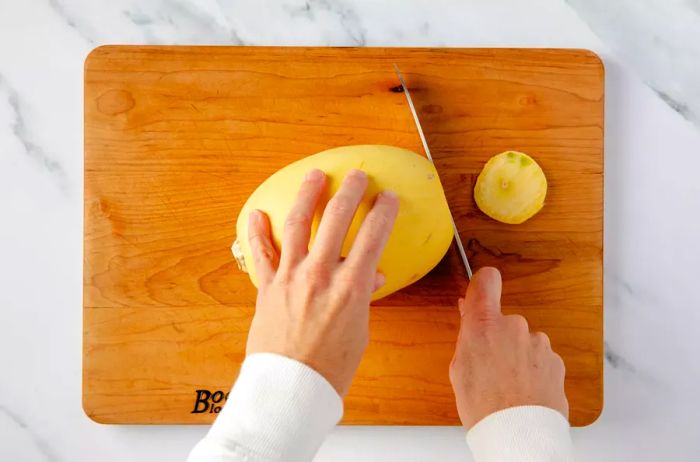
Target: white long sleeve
{"x": 281, "y": 410}
{"x": 522, "y": 434}
{"x": 278, "y": 410}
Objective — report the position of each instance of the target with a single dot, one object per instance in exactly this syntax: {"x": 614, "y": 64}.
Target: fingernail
{"x": 314, "y": 175}
{"x": 389, "y": 194}
{"x": 355, "y": 173}
{"x": 254, "y": 215}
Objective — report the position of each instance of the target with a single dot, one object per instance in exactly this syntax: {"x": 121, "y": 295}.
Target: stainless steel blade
{"x": 462, "y": 253}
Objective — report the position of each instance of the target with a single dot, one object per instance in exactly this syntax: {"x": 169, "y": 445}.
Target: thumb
{"x": 483, "y": 299}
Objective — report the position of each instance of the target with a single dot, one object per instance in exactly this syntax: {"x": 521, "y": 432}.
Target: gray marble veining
{"x": 40, "y": 443}
{"x": 660, "y": 39}
{"x": 19, "y": 130}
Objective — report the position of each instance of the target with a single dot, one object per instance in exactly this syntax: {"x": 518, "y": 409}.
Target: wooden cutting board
{"x": 176, "y": 138}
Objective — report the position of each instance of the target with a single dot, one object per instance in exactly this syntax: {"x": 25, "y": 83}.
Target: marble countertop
{"x": 651, "y": 51}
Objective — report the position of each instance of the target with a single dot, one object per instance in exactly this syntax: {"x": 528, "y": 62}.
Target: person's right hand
{"x": 498, "y": 363}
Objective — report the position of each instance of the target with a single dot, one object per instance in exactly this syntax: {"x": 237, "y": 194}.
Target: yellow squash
{"x": 422, "y": 232}
{"x": 511, "y": 188}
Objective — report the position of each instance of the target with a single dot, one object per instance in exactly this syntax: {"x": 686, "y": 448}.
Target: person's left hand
{"x": 313, "y": 306}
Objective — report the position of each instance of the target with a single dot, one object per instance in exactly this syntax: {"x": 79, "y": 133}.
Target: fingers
{"x": 265, "y": 258}
{"x": 373, "y": 235}
{"x": 297, "y": 227}
{"x": 518, "y": 324}
{"x": 541, "y": 340}
{"x": 379, "y": 281}
{"x": 482, "y": 301}
{"x": 338, "y": 216}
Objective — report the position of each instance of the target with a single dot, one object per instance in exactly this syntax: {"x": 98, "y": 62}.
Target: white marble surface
{"x": 651, "y": 51}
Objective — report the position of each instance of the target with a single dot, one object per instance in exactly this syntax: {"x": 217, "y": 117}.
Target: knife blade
{"x": 458, "y": 240}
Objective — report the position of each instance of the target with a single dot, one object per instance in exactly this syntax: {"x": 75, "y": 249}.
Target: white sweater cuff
{"x": 278, "y": 409}
{"x": 522, "y": 434}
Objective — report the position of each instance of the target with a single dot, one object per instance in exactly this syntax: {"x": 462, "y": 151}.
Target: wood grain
{"x": 176, "y": 138}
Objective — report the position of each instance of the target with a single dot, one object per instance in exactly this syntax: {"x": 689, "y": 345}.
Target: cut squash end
{"x": 511, "y": 188}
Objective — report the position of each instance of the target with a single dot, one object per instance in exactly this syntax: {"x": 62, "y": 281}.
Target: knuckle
{"x": 454, "y": 365}
{"x": 452, "y": 373}
{"x": 346, "y": 278}
{"x": 483, "y": 317}
{"x": 455, "y": 362}
{"x": 378, "y": 220}
{"x": 263, "y": 254}
{"x": 346, "y": 284}
{"x": 457, "y": 370}
{"x": 558, "y": 362}
{"x": 365, "y": 252}
{"x": 541, "y": 339}
{"x": 296, "y": 218}
{"x": 339, "y": 206}
{"x": 316, "y": 275}
{"x": 518, "y": 322}
{"x": 458, "y": 358}
{"x": 261, "y": 248}
{"x": 256, "y": 240}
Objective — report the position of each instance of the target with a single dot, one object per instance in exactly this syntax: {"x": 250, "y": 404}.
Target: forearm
{"x": 279, "y": 409}
{"x": 522, "y": 434}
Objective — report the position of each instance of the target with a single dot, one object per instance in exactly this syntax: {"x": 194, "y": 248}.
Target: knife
{"x": 458, "y": 240}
